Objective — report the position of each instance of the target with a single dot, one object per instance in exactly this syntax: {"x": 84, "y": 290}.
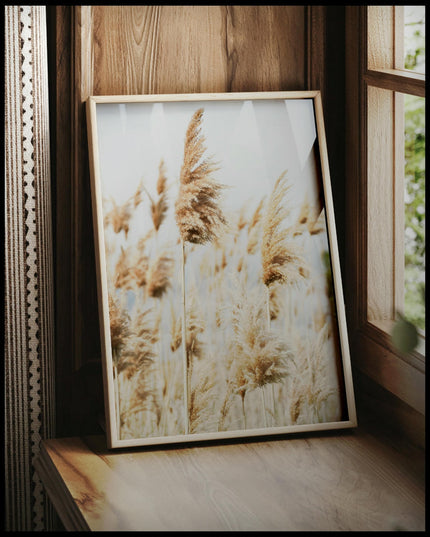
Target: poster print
{"x": 221, "y": 304}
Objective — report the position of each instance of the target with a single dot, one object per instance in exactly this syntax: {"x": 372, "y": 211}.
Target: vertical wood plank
{"x": 59, "y": 49}
{"x": 380, "y": 37}
{"x": 316, "y": 49}
{"x": 86, "y": 324}
{"x": 355, "y": 188}
{"x": 380, "y": 206}
{"x": 190, "y": 49}
{"x": 399, "y": 203}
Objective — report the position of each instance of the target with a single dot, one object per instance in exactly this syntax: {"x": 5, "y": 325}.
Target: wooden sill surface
{"x": 338, "y": 481}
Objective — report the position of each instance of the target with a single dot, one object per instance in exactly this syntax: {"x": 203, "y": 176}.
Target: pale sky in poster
{"x": 252, "y": 141}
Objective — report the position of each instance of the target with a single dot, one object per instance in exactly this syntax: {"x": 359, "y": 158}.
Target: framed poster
{"x": 219, "y": 285}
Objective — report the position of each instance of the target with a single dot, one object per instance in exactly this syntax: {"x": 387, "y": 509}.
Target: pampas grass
{"x": 282, "y": 262}
{"x": 119, "y": 327}
{"x": 135, "y": 364}
{"x": 214, "y": 351}
{"x": 202, "y": 396}
{"x": 119, "y": 332}
{"x": 260, "y": 356}
{"x": 160, "y": 207}
{"x": 120, "y": 215}
{"x": 158, "y": 275}
{"x": 281, "y": 259}
{"x": 124, "y": 274}
{"x": 313, "y": 388}
{"x": 198, "y": 216}
{"x": 254, "y": 228}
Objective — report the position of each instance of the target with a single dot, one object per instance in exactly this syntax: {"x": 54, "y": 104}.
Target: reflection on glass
{"x": 414, "y": 38}
{"x": 415, "y": 210}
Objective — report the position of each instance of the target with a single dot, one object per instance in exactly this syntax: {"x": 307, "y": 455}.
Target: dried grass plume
{"x": 281, "y": 259}
{"x": 197, "y": 213}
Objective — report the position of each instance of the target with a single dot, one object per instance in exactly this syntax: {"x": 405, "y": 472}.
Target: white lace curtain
{"x": 29, "y": 322}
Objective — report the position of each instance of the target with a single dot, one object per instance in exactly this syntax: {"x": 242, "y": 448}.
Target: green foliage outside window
{"x": 415, "y": 184}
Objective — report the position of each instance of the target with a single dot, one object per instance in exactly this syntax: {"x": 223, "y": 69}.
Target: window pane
{"x": 415, "y": 210}
{"x": 414, "y": 38}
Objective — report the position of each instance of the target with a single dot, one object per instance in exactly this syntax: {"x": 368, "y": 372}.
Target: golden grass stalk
{"x": 139, "y": 353}
{"x": 143, "y": 399}
{"x": 175, "y": 331}
{"x": 184, "y": 345}
{"x": 241, "y": 222}
{"x": 195, "y": 327}
{"x": 202, "y": 397}
{"x": 162, "y": 178}
{"x": 225, "y": 408}
{"x": 140, "y": 270}
{"x": 198, "y": 216}
{"x": 119, "y": 217}
{"x": 281, "y": 259}
{"x": 253, "y": 238}
{"x": 119, "y": 333}
{"x": 136, "y": 363}
{"x": 140, "y": 265}
{"x": 239, "y": 266}
{"x": 257, "y": 216}
{"x": 137, "y": 197}
{"x": 119, "y": 327}
{"x": 275, "y": 301}
{"x": 158, "y": 277}
{"x": 260, "y": 356}
{"x": 312, "y": 388}
{"x": 160, "y": 207}
{"x": 124, "y": 274}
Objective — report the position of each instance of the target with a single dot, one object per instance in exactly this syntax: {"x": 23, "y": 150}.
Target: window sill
{"x": 402, "y": 375}
{"x": 415, "y": 358}
{"x": 321, "y": 482}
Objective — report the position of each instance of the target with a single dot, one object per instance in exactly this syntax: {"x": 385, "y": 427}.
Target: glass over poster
{"x": 221, "y": 306}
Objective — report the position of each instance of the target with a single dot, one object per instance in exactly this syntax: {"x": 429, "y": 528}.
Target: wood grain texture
{"x": 391, "y": 371}
{"x": 349, "y": 482}
{"x": 195, "y": 49}
{"x": 380, "y": 205}
{"x": 316, "y": 60}
{"x": 380, "y": 37}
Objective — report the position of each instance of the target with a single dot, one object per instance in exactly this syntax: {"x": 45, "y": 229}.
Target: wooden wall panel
{"x": 107, "y": 50}
{"x": 190, "y": 49}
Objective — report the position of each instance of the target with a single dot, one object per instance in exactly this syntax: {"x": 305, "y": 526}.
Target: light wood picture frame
{"x": 217, "y": 209}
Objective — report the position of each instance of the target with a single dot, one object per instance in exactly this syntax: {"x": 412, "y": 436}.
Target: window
{"x": 385, "y": 186}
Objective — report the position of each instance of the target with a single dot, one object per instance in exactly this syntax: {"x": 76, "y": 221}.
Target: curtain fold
{"x": 29, "y": 321}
